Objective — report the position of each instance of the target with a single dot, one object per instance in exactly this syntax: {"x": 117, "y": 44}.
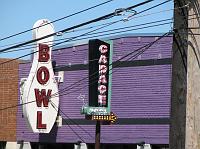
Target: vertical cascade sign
{"x": 40, "y": 107}
{"x": 100, "y": 74}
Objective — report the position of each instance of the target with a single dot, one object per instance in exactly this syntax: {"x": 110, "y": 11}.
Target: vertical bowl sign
{"x": 40, "y": 96}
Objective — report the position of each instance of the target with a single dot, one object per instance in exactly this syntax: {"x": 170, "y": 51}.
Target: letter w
{"x": 41, "y": 96}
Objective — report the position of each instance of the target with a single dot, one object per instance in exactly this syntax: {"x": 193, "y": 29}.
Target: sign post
{"x": 100, "y": 82}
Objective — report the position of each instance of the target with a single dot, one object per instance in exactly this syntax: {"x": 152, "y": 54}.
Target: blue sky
{"x": 17, "y": 16}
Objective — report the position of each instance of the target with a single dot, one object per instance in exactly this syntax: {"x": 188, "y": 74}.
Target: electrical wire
{"x": 134, "y": 17}
{"x": 58, "y": 67}
{"x": 80, "y": 35}
{"x": 77, "y": 26}
{"x": 97, "y": 72}
{"x": 54, "y": 106}
{"x": 56, "y": 44}
{"x": 118, "y": 29}
{"x": 95, "y": 82}
{"x": 158, "y": 21}
{"x": 196, "y": 44}
{"x": 182, "y": 57}
{"x": 119, "y": 61}
{"x": 155, "y": 6}
{"x": 57, "y": 20}
{"x": 86, "y": 38}
{"x": 71, "y": 31}
{"x": 136, "y": 26}
{"x": 129, "y": 16}
{"x": 130, "y": 19}
{"x": 146, "y": 47}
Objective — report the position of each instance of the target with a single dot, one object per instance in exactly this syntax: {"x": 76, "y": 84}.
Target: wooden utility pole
{"x": 185, "y": 101}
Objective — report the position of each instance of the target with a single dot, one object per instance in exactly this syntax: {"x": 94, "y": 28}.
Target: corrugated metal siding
{"x": 137, "y": 92}
{"x": 141, "y": 92}
{"x": 71, "y": 56}
{"x": 157, "y": 51}
{"x": 153, "y": 134}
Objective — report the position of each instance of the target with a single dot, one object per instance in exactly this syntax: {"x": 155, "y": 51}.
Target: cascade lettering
{"x": 103, "y": 69}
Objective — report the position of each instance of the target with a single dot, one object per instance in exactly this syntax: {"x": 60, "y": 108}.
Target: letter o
{"x": 43, "y": 70}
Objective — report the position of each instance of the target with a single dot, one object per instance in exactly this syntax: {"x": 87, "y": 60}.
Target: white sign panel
{"x": 144, "y": 146}
{"x": 80, "y": 146}
{"x": 40, "y": 103}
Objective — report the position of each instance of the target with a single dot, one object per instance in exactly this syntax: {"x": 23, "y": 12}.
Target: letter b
{"x": 43, "y": 53}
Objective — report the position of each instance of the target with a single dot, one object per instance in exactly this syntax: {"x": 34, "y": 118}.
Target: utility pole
{"x": 185, "y": 100}
{"x": 97, "y": 135}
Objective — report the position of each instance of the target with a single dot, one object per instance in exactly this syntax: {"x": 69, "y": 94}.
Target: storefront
{"x": 141, "y": 92}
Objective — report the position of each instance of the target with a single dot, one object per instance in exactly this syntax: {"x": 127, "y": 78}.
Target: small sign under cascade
{"x": 40, "y": 107}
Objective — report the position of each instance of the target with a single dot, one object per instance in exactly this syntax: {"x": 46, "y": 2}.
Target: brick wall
{"x": 8, "y": 97}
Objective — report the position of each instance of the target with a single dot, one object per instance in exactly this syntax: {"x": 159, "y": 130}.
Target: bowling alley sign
{"x": 40, "y": 97}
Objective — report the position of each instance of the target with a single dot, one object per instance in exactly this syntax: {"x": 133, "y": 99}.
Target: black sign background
{"x": 94, "y": 55}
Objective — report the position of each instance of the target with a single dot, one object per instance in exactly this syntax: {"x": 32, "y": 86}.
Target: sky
{"x": 20, "y": 15}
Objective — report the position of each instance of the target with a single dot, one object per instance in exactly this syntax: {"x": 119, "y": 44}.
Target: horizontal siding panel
{"x": 74, "y": 55}
{"x": 137, "y": 133}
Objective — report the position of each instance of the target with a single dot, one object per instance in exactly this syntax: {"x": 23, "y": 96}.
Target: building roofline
{"x": 128, "y": 35}
{"x": 85, "y": 41}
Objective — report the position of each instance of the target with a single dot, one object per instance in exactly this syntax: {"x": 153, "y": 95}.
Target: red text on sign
{"x": 42, "y": 78}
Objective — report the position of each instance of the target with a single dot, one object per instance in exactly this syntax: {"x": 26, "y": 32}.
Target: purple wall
{"x": 140, "y": 96}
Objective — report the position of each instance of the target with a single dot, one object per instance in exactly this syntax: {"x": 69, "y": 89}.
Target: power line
{"x": 98, "y": 32}
{"x": 158, "y": 12}
{"x": 70, "y": 119}
{"x": 92, "y": 75}
{"x": 79, "y": 25}
{"x": 64, "y": 119}
{"x": 154, "y": 6}
{"x": 129, "y": 8}
{"x": 57, "y": 20}
{"x": 104, "y": 31}
{"x": 57, "y": 43}
{"x": 86, "y": 38}
{"x": 71, "y": 31}
{"x": 94, "y": 82}
{"x": 137, "y": 26}
{"x": 54, "y": 106}
{"x": 119, "y": 61}
{"x": 97, "y": 72}
{"x": 147, "y": 46}
{"x": 57, "y": 67}
{"x": 54, "y": 45}
{"x": 137, "y": 14}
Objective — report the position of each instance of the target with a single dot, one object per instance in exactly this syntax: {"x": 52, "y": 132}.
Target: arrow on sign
{"x": 112, "y": 117}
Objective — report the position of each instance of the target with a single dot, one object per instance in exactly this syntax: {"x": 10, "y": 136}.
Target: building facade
{"x": 8, "y": 100}
{"x": 141, "y": 92}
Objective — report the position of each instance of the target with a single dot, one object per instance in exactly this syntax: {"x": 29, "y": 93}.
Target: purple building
{"x": 141, "y": 92}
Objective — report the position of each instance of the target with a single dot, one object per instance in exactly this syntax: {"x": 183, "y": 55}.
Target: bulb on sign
{"x": 103, "y": 49}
